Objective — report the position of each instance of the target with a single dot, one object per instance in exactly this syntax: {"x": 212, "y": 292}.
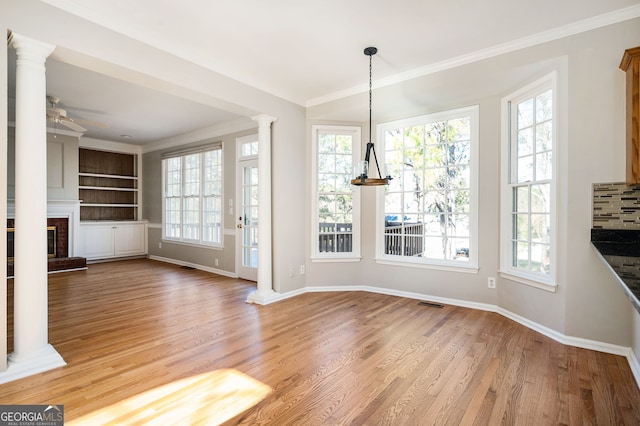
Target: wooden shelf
{"x": 101, "y": 175}
{"x": 107, "y": 205}
{"x": 108, "y": 185}
{"x": 108, "y": 188}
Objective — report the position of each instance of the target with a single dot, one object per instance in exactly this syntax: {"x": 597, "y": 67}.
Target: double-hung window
{"x": 529, "y": 177}
{"x": 192, "y": 198}
{"x": 335, "y": 203}
{"x": 429, "y": 208}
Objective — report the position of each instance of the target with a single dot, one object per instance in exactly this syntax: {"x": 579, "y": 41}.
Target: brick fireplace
{"x": 61, "y": 253}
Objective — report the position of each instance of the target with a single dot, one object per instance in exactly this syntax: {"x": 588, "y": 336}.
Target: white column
{"x": 265, "y": 293}
{"x": 32, "y": 352}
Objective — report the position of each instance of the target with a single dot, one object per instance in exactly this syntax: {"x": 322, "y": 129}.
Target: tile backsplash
{"x": 616, "y": 206}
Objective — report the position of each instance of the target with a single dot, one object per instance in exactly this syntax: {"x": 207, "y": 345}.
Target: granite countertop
{"x": 620, "y": 250}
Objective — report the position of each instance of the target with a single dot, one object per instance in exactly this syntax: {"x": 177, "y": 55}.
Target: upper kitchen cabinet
{"x": 630, "y": 64}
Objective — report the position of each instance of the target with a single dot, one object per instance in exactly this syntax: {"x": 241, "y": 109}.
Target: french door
{"x": 247, "y": 220}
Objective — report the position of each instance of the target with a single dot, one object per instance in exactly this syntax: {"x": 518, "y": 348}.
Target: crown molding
{"x": 578, "y": 27}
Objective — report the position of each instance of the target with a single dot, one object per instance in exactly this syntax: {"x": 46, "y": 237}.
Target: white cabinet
{"x": 106, "y": 240}
{"x": 98, "y": 241}
{"x": 130, "y": 239}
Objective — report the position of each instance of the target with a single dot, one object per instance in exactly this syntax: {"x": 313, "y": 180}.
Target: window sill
{"x": 341, "y": 259}
{"x": 467, "y": 269}
{"x": 192, "y": 244}
{"x": 532, "y": 282}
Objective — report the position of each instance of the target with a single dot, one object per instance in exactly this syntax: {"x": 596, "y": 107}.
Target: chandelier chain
{"x": 370, "y": 85}
{"x": 375, "y": 157}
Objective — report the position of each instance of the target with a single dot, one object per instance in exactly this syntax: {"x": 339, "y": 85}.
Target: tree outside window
{"x": 428, "y": 207}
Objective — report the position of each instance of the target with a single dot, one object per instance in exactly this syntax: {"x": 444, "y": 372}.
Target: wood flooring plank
{"x": 148, "y": 342}
{"x": 472, "y": 410}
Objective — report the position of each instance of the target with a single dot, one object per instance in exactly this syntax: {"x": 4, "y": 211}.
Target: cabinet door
{"x": 130, "y": 240}
{"x": 98, "y": 241}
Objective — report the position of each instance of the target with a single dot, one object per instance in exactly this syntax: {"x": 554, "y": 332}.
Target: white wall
{"x": 588, "y": 302}
{"x": 62, "y": 166}
{"x": 595, "y": 305}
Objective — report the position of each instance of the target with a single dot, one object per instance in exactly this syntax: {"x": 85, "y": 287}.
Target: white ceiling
{"x": 304, "y": 51}
{"x": 134, "y": 114}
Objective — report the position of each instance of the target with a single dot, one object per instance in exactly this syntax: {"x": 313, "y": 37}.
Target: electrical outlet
{"x": 159, "y": 245}
{"x": 216, "y": 262}
{"x": 302, "y": 270}
{"x": 491, "y": 282}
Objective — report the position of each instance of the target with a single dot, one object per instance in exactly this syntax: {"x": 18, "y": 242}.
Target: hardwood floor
{"x": 151, "y": 343}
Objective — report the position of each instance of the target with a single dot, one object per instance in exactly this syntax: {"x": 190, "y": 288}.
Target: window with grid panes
{"x": 529, "y": 185}
{"x": 430, "y": 205}
{"x": 193, "y": 197}
{"x": 335, "y": 201}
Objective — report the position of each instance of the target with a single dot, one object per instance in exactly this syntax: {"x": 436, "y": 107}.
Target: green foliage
{"x": 431, "y": 163}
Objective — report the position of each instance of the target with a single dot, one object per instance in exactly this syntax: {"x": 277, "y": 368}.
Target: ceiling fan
{"x": 59, "y": 116}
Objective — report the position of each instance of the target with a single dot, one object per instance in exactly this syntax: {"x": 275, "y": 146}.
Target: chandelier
{"x": 361, "y": 170}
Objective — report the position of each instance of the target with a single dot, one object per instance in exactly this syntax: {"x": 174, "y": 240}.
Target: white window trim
{"x": 354, "y": 255}
{"x": 443, "y": 265}
{"x": 186, "y": 241}
{"x": 543, "y": 282}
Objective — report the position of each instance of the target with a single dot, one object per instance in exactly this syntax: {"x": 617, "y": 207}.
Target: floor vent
{"x": 187, "y": 267}
{"x": 431, "y": 304}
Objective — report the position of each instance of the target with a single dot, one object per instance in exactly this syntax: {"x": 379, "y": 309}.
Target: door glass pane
{"x": 250, "y": 217}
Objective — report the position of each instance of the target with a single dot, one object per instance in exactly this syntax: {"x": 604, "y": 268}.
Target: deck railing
{"x": 403, "y": 240}
{"x": 337, "y": 238}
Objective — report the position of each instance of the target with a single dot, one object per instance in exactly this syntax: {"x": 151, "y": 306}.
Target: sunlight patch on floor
{"x": 209, "y": 398}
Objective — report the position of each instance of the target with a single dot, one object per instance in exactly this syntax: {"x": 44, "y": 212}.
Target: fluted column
{"x": 264, "y": 293}
{"x": 32, "y": 352}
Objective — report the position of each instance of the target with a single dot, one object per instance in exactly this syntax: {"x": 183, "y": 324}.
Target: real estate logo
{"x": 31, "y": 415}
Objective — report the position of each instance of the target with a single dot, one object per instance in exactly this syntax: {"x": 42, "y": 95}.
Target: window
{"x": 248, "y": 147}
{"x": 193, "y": 196}
{"x": 429, "y": 207}
{"x": 336, "y": 235}
{"x": 529, "y": 183}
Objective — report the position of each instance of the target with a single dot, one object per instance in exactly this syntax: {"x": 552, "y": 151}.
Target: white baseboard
{"x": 390, "y": 292}
{"x": 635, "y": 366}
{"x": 564, "y": 339}
{"x": 194, "y": 265}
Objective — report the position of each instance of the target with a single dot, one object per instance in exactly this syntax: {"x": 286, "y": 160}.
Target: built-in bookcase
{"x": 108, "y": 185}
